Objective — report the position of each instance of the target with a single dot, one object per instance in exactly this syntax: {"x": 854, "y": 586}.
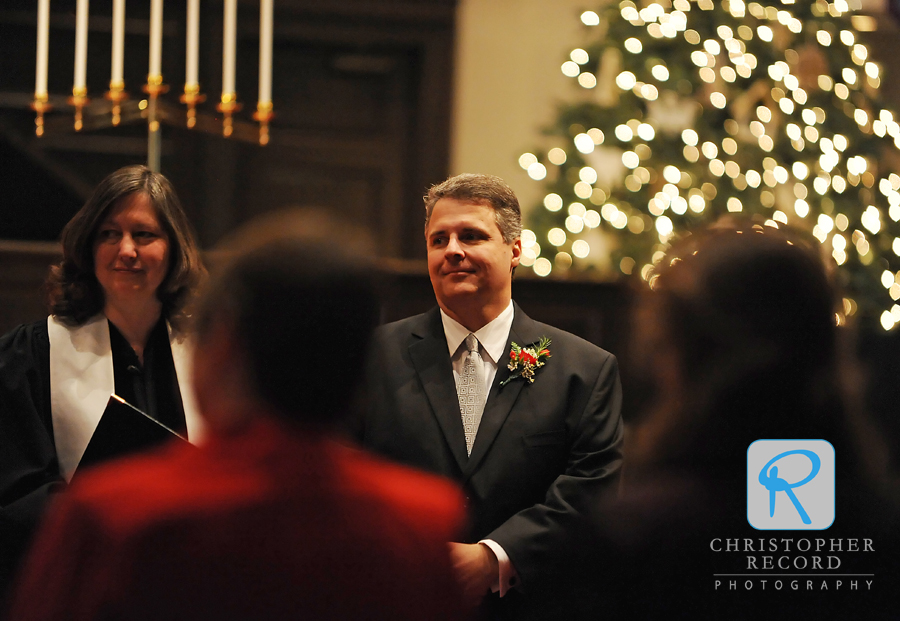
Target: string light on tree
{"x": 697, "y": 109}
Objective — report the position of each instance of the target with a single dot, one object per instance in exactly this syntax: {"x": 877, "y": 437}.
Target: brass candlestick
{"x": 192, "y": 97}
{"x": 155, "y": 87}
{"x": 40, "y": 106}
{"x": 79, "y": 99}
{"x": 263, "y": 115}
{"x": 228, "y": 107}
{"x": 116, "y": 94}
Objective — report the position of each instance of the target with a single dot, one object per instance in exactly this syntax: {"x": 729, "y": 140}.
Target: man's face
{"x": 468, "y": 261}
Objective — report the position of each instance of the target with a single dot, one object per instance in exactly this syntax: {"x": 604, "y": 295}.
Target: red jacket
{"x": 269, "y": 523}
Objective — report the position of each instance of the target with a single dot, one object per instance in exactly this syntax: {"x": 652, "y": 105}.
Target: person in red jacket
{"x": 272, "y": 517}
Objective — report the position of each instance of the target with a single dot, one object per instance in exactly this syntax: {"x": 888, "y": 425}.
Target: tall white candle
{"x": 81, "y": 36}
{"x": 265, "y": 51}
{"x": 230, "y": 42}
{"x": 43, "y": 40}
{"x": 193, "y": 42}
{"x": 156, "y": 27}
{"x": 118, "y": 41}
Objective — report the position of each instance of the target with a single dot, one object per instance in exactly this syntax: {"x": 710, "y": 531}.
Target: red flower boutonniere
{"x": 524, "y": 361}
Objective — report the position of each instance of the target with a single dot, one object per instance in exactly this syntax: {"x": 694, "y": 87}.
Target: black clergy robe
{"x": 29, "y": 466}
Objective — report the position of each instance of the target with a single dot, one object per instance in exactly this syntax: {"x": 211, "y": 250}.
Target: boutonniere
{"x": 524, "y": 361}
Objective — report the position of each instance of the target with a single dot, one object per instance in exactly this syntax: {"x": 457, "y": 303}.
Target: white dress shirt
{"x": 492, "y": 337}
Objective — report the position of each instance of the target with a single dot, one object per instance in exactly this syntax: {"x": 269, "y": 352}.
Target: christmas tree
{"x": 693, "y": 110}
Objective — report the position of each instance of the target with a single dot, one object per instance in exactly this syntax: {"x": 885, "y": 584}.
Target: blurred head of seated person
{"x": 739, "y": 331}
{"x": 271, "y": 517}
{"x": 285, "y": 324}
{"x": 740, "y": 334}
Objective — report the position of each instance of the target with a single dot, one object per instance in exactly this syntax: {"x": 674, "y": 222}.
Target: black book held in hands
{"x": 124, "y": 429}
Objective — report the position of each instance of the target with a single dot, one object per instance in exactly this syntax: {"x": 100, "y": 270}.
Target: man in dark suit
{"x": 535, "y": 443}
{"x": 271, "y": 517}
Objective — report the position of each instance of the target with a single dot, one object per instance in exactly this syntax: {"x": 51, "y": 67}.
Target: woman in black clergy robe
{"x": 117, "y": 301}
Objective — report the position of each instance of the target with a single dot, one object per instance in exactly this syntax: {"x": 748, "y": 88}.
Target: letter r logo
{"x": 790, "y": 484}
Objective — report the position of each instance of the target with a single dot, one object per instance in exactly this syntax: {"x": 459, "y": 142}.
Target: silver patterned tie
{"x": 470, "y": 390}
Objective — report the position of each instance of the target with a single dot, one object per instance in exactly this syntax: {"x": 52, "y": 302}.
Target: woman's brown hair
{"x": 73, "y": 292}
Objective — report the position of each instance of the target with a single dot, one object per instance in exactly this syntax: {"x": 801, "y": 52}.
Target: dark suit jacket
{"x": 544, "y": 451}
{"x": 265, "y": 524}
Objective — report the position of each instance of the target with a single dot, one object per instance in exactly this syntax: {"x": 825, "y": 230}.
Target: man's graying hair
{"x": 481, "y": 189}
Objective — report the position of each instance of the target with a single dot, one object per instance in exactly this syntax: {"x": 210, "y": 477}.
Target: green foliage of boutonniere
{"x": 524, "y": 361}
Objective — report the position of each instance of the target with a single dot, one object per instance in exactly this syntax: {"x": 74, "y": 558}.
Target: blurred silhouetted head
{"x": 742, "y": 328}
{"x": 296, "y": 295}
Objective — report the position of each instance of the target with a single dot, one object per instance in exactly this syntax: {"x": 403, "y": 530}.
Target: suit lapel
{"x": 432, "y": 363}
{"x": 500, "y": 399}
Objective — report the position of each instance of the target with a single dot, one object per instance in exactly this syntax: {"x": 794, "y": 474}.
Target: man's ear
{"x": 516, "y": 253}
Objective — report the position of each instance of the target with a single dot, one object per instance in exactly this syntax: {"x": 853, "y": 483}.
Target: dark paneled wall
{"x": 23, "y": 269}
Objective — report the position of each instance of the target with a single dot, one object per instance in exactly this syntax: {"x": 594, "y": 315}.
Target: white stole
{"x": 82, "y": 380}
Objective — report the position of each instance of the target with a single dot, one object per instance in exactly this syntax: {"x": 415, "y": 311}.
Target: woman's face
{"x": 131, "y": 251}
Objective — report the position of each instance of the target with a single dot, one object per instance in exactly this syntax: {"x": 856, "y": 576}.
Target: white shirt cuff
{"x": 508, "y": 577}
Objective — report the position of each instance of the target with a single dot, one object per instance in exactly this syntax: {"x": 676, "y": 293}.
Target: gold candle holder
{"x": 40, "y": 106}
{"x": 116, "y": 94}
{"x": 154, "y": 86}
{"x": 79, "y": 99}
{"x": 192, "y": 97}
{"x": 228, "y": 107}
{"x": 263, "y": 115}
